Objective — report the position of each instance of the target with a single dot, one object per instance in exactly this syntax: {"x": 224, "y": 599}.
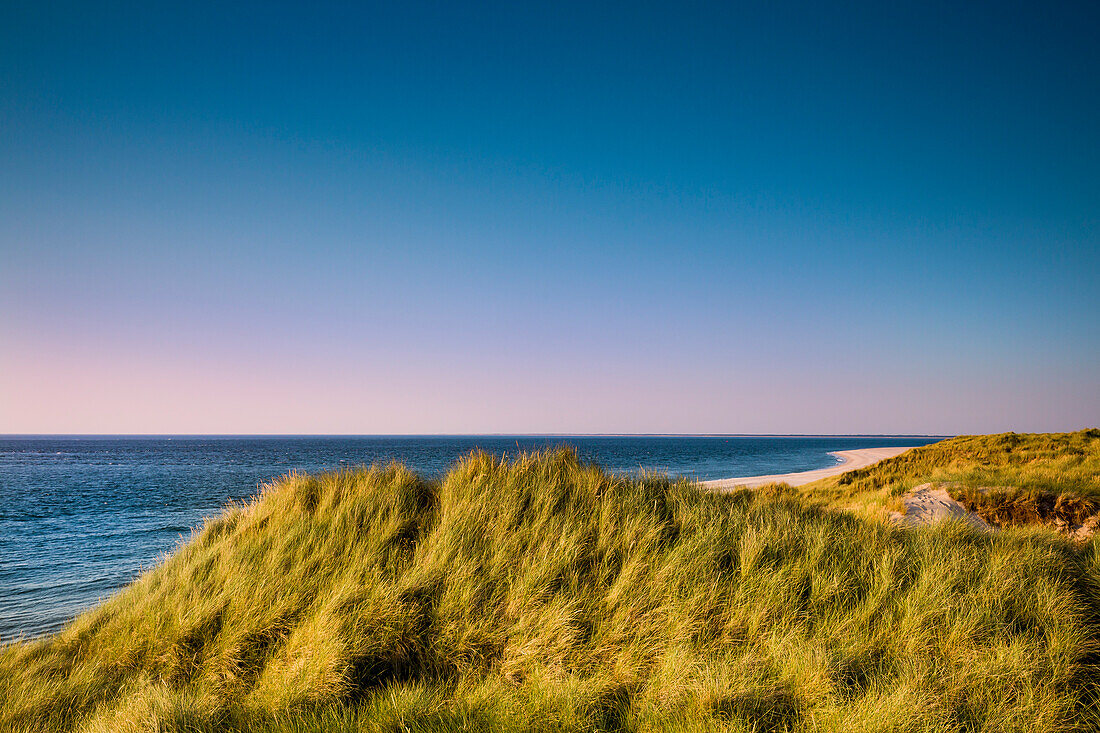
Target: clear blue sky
{"x": 446, "y": 217}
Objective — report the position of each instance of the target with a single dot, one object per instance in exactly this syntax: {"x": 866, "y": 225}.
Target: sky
{"x": 450, "y": 217}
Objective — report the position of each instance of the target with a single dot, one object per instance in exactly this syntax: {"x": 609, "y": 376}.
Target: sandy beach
{"x": 850, "y": 460}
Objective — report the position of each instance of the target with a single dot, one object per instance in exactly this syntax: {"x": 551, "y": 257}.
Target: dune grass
{"x": 545, "y": 594}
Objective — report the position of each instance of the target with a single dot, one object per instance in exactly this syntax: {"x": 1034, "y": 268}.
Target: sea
{"x": 82, "y": 516}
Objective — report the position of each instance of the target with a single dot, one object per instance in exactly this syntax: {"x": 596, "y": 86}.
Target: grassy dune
{"x": 544, "y": 594}
{"x": 1010, "y": 479}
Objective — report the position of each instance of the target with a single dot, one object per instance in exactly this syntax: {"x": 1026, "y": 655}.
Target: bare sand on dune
{"x": 850, "y": 461}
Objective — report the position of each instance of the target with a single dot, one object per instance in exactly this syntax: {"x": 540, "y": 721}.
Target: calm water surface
{"x": 81, "y": 516}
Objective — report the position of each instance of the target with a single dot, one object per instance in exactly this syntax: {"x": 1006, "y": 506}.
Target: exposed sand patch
{"x": 850, "y": 461}
{"x": 929, "y": 504}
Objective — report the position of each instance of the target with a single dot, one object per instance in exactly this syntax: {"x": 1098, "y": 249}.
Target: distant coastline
{"x": 849, "y": 460}
{"x": 166, "y": 436}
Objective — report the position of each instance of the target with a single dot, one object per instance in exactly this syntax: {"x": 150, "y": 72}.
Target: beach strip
{"x": 850, "y": 460}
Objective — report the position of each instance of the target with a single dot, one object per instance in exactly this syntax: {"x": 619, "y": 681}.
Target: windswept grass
{"x": 545, "y": 594}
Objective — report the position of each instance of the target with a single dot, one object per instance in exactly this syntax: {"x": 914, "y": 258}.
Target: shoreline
{"x": 850, "y": 460}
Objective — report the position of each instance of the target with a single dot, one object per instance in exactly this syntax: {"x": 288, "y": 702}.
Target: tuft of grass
{"x": 543, "y": 593}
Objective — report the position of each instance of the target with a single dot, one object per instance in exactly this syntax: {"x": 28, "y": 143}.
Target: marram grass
{"x": 545, "y": 594}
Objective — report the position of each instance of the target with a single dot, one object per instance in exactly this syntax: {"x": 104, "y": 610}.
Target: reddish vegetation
{"x": 1070, "y": 514}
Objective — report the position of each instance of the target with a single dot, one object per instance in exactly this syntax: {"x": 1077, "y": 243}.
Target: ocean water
{"x": 82, "y": 516}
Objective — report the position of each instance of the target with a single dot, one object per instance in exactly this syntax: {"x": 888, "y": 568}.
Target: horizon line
{"x": 479, "y": 435}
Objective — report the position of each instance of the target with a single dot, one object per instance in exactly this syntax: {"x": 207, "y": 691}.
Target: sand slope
{"x": 929, "y": 504}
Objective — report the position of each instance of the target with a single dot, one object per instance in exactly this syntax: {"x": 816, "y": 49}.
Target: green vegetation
{"x": 1010, "y": 479}
{"x": 544, "y": 594}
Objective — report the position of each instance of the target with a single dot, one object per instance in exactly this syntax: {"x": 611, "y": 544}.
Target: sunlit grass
{"x": 545, "y": 594}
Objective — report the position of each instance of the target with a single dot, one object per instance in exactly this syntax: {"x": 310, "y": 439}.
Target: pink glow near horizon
{"x": 88, "y": 391}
